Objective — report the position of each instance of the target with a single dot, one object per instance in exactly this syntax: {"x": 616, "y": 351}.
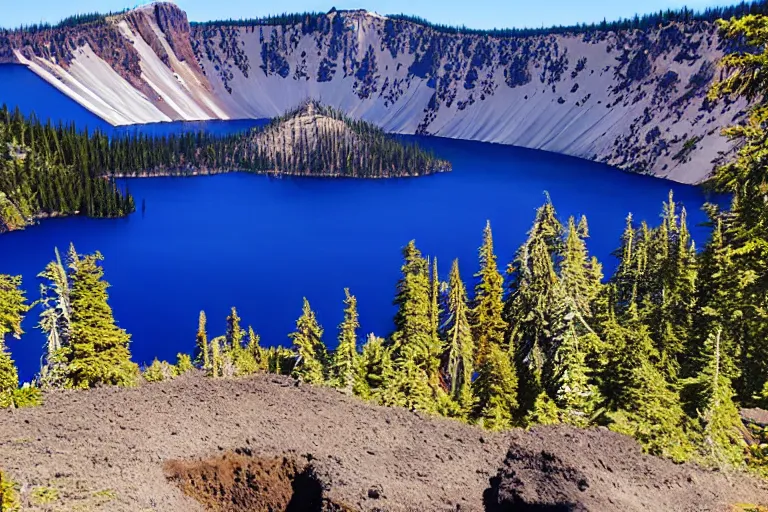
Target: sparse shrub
{"x": 183, "y": 364}
{"x": 9, "y": 494}
{"x": 159, "y": 371}
{"x": 44, "y": 495}
{"x": 27, "y": 396}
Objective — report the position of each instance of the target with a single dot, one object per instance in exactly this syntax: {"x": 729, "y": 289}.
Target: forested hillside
{"x": 48, "y": 171}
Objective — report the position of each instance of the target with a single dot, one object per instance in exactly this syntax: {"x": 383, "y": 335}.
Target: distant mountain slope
{"x": 635, "y": 99}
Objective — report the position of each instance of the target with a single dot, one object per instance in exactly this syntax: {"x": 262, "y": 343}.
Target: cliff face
{"x": 634, "y": 99}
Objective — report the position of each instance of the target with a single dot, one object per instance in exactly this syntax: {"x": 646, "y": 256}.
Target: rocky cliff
{"x": 635, "y": 99}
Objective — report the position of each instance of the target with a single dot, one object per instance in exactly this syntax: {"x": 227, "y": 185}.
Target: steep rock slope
{"x": 635, "y": 99}
{"x": 136, "y": 67}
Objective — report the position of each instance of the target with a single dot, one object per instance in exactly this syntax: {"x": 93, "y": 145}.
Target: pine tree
{"x": 217, "y": 357}
{"x": 373, "y": 365}
{"x": 202, "y": 350}
{"x": 13, "y": 307}
{"x": 55, "y": 322}
{"x": 581, "y": 277}
{"x": 235, "y": 333}
{"x": 496, "y": 390}
{"x": 308, "y": 344}
{"x": 415, "y": 351}
{"x": 487, "y": 315}
{"x": 459, "y": 349}
{"x": 100, "y": 352}
{"x": 643, "y": 403}
{"x": 712, "y": 397}
{"x": 345, "y": 356}
{"x": 574, "y": 391}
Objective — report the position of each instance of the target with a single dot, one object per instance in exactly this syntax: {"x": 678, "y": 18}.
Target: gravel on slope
{"x": 267, "y": 443}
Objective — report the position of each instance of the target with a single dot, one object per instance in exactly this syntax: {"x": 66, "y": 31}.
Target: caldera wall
{"x": 633, "y": 99}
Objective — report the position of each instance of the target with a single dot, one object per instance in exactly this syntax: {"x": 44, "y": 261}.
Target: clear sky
{"x": 472, "y": 13}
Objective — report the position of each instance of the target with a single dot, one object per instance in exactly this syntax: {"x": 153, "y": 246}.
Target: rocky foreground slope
{"x": 635, "y": 99}
{"x": 265, "y": 443}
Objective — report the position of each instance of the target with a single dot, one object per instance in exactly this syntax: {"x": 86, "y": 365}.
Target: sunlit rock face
{"x": 633, "y": 99}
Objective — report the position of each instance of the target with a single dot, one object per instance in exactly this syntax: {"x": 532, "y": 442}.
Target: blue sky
{"x": 472, "y": 13}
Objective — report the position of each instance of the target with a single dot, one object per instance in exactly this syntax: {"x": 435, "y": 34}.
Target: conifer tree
{"x": 55, "y": 322}
{"x": 344, "y": 366}
{"x": 217, "y": 357}
{"x": 496, "y": 390}
{"x": 308, "y": 344}
{"x": 530, "y": 310}
{"x": 374, "y": 364}
{"x": 458, "y": 355}
{"x": 202, "y": 350}
{"x": 100, "y": 352}
{"x": 13, "y": 307}
{"x": 414, "y": 376}
{"x": 574, "y": 391}
{"x": 744, "y": 227}
{"x": 644, "y": 405}
{"x": 712, "y": 396}
{"x": 580, "y": 276}
{"x": 487, "y": 315}
{"x": 235, "y": 333}
{"x": 434, "y": 307}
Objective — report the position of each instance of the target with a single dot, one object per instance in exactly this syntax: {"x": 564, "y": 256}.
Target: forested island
{"x": 48, "y": 170}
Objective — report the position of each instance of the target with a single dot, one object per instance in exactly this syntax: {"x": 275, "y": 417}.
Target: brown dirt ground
{"x": 264, "y": 443}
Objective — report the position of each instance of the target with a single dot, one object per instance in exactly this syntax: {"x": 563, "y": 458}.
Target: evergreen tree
{"x": 55, "y": 322}
{"x": 414, "y": 375}
{"x": 217, "y": 357}
{"x": 373, "y": 365}
{"x": 496, "y": 390}
{"x": 100, "y": 352}
{"x": 532, "y": 304}
{"x": 235, "y": 333}
{"x": 642, "y": 402}
{"x": 487, "y": 315}
{"x": 13, "y": 307}
{"x": 202, "y": 350}
{"x": 712, "y": 397}
{"x": 459, "y": 349}
{"x": 345, "y": 356}
{"x": 308, "y": 344}
{"x": 574, "y": 391}
{"x": 744, "y": 228}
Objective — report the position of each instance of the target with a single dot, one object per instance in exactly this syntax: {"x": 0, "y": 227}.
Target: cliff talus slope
{"x": 635, "y": 99}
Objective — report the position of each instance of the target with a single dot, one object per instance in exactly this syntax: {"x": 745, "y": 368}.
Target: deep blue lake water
{"x": 262, "y": 244}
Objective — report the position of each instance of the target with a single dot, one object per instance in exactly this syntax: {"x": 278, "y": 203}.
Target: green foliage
{"x": 308, "y": 343}
{"x": 543, "y": 412}
{"x": 44, "y": 495}
{"x": 26, "y": 396}
{"x": 413, "y": 378}
{"x": 459, "y": 351}
{"x": 739, "y": 256}
{"x": 159, "y": 371}
{"x": 344, "y": 364}
{"x": 47, "y": 170}
{"x": 9, "y": 494}
{"x": 56, "y": 323}
{"x": 712, "y": 396}
{"x": 100, "y": 352}
{"x": 496, "y": 390}
{"x": 13, "y": 307}
{"x": 373, "y": 365}
{"x": 202, "y": 350}
{"x": 183, "y": 364}
{"x": 487, "y": 315}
